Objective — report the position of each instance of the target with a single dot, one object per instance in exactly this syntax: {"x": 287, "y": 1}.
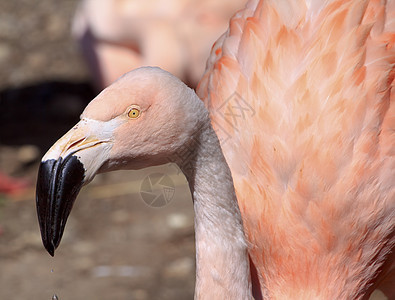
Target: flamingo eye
{"x": 134, "y": 112}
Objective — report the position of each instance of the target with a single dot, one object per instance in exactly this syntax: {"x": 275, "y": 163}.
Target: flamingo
{"x": 300, "y": 95}
{"x": 314, "y": 168}
{"x": 119, "y": 35}
{"x": 146, "y": 118}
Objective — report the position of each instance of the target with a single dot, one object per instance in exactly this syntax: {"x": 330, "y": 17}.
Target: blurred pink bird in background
{"x": 119, "y": 35}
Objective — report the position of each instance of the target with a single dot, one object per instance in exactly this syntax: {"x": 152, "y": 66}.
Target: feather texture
{"x": 301, "y": 94}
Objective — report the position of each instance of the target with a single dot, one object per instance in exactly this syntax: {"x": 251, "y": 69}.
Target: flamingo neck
{"x": 222, "y": 268}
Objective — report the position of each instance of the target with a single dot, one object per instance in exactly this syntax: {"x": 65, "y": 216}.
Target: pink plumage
{"x": 119, "y": 35}
{"x": 301, "y": 94}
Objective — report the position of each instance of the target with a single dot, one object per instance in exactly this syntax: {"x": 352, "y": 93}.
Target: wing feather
{"x": 301, "y": 94}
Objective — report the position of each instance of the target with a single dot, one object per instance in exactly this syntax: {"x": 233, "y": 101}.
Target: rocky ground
{"x": 115, "y": 246}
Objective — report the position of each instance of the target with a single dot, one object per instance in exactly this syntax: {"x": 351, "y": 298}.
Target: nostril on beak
{"x": 75, "y": 143}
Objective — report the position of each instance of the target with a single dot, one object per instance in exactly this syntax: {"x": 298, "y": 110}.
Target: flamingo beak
{"x": 69, "y": 164}
{"x": 58, "y": 184}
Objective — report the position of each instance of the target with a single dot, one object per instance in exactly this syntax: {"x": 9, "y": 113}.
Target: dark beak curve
{"x": 58, "y": 184}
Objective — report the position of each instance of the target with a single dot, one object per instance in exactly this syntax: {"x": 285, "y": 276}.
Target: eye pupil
{"x": 134, "y": 113}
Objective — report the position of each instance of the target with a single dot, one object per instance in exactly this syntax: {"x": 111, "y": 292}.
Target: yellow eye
{"x": 134, "y": 113}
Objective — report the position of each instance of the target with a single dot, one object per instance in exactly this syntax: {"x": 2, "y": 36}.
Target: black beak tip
{"x": 49, "y": 246}
{"x": 51, "y": 250}
{"x": 58, "y": 184}
{"x": 52, "y": 244}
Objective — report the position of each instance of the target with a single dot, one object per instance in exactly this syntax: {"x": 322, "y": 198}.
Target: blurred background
{"x": 123, "y": 240}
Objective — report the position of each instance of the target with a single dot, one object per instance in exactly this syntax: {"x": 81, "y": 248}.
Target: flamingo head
{"x": 142, "y": 119}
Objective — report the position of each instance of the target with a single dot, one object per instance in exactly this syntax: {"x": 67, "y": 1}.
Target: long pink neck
{"x": 222, "y": 268}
